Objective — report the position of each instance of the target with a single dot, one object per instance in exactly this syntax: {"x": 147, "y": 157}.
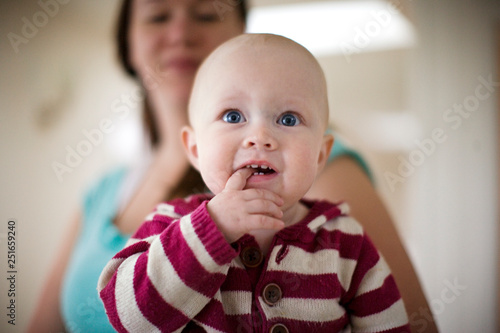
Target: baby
{"x": 253, "y": 256}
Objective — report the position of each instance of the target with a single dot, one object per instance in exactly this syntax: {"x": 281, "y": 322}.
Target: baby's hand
{"x": 237, "y": 211}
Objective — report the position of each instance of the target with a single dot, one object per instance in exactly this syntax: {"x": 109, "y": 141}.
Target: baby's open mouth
{"x": 260, "y": 170}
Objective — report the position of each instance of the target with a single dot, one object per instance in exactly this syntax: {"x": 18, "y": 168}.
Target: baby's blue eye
{"x": 233, "y": 117}
{"x": 289, "y": 119}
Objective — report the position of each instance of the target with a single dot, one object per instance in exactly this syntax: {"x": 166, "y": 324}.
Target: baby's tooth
{"x": 255, "y": 166}
{"x": 263, "y": 167}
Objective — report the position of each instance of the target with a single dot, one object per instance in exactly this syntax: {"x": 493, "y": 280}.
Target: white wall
{"x": 61, "y": 81}
{"x": 446, "y": 205}
{"x": 454, "y": 198}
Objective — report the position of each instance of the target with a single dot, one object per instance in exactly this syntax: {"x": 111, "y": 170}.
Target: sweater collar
{"x": 319, "y": 213}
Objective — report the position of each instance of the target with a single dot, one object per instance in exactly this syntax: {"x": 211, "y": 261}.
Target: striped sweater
{"x": 177, "y": 273}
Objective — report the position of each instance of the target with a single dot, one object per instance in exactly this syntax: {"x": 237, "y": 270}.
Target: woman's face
{"x": 170, "y": 38}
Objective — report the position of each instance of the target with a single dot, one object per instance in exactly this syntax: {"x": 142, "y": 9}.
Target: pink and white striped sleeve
{"x": 375, "y": 303}
{"x": 168, "y": 272}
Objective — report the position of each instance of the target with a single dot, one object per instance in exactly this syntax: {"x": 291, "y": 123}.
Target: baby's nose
{"x": 262, "y": 138}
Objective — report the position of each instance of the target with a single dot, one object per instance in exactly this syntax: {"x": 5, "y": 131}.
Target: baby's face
{"x": 264, "y": 111}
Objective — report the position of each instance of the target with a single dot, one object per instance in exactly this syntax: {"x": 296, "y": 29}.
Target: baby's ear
{"x": 190, "y": 145}
{"x": 324, "y": 154}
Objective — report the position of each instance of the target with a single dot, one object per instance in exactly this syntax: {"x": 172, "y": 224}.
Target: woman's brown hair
{"x": 191, "y": 182}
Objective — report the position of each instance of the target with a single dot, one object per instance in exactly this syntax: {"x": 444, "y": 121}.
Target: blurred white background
{"x": 416, "y": 91}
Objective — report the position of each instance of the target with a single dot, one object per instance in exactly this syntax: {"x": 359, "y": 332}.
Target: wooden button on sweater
{"x": 271, "y": 294}
{"x": 278, "y": 328}
{"x": 251, "y": 257}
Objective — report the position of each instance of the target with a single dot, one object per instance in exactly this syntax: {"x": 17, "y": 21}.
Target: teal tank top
{"x": 100, "y": 240}
{"x": 339, "y": 149}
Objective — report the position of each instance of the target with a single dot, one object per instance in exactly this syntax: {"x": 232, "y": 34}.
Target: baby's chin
{"x": 215, "y": 187}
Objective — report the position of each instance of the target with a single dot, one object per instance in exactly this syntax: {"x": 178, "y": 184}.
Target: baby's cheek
{"x": 308, "y": 167}
{"x": 309, "y": 159}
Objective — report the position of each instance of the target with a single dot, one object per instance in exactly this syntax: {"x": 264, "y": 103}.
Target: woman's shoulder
{"x": 107, "y": 183}
{"x": 101, "y": 198}
{"x": 342, "y": 148}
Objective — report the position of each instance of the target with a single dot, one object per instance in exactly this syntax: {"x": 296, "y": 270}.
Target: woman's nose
{"x": 261, "y": 138}
{"x": 180, "y": 30}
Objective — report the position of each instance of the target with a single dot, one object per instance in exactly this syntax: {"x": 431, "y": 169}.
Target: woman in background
{"x": 161, "y": 43}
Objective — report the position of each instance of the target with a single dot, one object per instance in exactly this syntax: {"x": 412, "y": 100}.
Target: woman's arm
{"x": 47, "y": 314}
{"x": 343, "y": 179}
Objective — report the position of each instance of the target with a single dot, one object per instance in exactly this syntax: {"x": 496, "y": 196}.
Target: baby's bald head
{"x": 259, "y": 97}
{"x": 265, "y": 55}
